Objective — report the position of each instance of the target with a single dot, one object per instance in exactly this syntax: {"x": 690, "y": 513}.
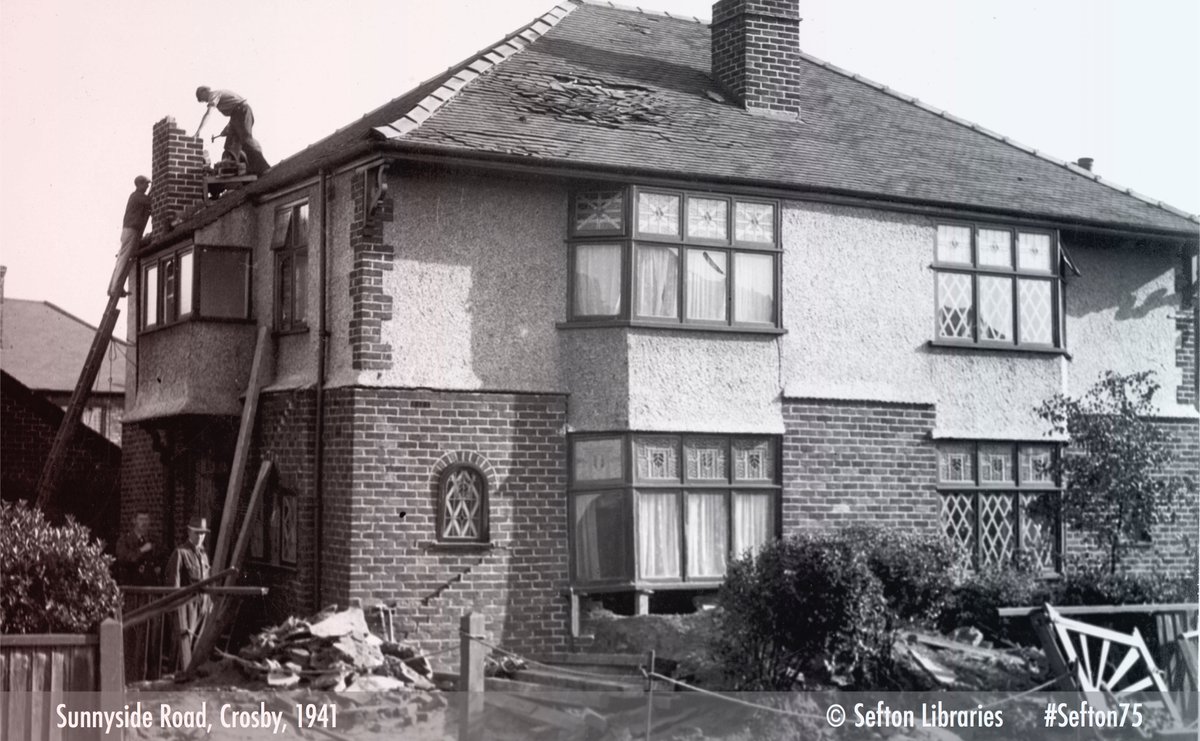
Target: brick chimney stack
{"x": 756, "y": 54}
{"x": 177, "y": 175}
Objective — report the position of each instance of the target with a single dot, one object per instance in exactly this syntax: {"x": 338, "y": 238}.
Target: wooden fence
{"x": 37, "y": 670}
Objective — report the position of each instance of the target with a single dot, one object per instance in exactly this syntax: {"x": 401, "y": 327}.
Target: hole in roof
{"x": 588, "y": 100}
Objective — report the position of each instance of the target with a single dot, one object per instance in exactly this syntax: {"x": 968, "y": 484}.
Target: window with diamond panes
{"x": 686, "y": 259}
{"x": 997, "y": 287}
{"x": 999, "y": 498}
{"x": 462, "y": 513}
{"x": 689, "y": 504}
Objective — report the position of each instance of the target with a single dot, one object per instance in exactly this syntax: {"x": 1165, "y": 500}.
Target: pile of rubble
{"x": 333, "y": 650}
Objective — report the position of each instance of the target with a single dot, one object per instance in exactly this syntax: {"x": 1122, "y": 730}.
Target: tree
{"x": 1116, "y": 469}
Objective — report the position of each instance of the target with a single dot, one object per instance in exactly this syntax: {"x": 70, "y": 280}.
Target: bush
{"x": 975, "y": 600}
{"x": 1098, "y": 586}
{"x": 53, "y": 579}
{"x": 917, "y": 570}
{"x": 803, "y": 608}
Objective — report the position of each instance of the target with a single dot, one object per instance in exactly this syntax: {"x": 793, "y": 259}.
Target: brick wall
{"x": 285, "y": 435}
{"x": 1185, "y": 330}
{"x": 177, "y": 173}
{"x": 91, "y": 484}
{"x": 370, "y": 304}
{"x": 142, "y": 481}
{"x": 756, "y": 53}
{"x": 1173, "y": 545}
{"x": 384, "y": 448}
{"x": 852, "y": 462}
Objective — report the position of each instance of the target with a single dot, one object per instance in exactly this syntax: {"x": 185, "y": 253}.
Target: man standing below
{"x": 188, "y": 565}
{"x": 135, "y": 554}
{"x": 239, "y": 133}
{"x": 137, "y": 213}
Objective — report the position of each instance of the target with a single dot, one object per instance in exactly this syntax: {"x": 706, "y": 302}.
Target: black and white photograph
{"x": 735, "y": 369}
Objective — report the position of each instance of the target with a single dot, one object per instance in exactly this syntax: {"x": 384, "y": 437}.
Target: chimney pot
{"x": 1085, "y": 163}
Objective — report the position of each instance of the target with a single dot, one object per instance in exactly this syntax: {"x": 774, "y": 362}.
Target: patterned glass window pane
{"x": 1036, "y": 312}
{"x": 706, "y": 459}
{"x": 1035, "y": 465}
{"x": 657, "y": 458}
{"x": 707, "y": 218}
{"x": 995, "y": 248}
{"x": 707, "y": 535}
{"x": 752, "y": 521}
{"x": 658, "y": 281}
{"x": 954, "y": 244}
{"x": 658, "y": 551}
{"x": 1039, "y": 529}
{"x": 1033, "y": 252}
{"x": 958, "y": 519}
{"x": 597, "y": 279}
{"x": 600, "y": 212}
{"x": 956, "y": 315}
{"x": 706, "y": 286}
{"x": 463, "y": 505}
{"x": 754, "y": 287}
{"x": 995, "y": 308}
{"x": 996, "y": 464}
{"x": 754, "y": 222}
{"x": 287, "y": 528}
{"x": 753, "y": 460}
{"x": 658, "y": 213}
{"x": 997, "y": 529}
{"x": 598, "y": 459}
{"x": 601, "y": 536}
{"x": 956, "y": 463}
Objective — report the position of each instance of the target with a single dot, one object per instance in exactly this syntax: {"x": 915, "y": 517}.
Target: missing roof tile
{"x": 588, "y": 100}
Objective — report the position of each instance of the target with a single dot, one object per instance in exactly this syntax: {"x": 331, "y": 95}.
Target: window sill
{"x": 434, "y": 546}
{"x": 289, "y": 332}
{"x": 1004, "y": 349}
{"x": 610, "y": 323}
{"x": 192, "y": 320}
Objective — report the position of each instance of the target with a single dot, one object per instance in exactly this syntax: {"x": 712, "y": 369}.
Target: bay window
{"x": 678, "y": 258}
{"x": 194, "y": 282}
{"x": 669, "y": 510}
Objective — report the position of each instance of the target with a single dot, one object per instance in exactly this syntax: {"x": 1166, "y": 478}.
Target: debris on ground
{"x": 505, "y": 668}
{"x": 936, "y": 662}
{"x": 333, "y": 650}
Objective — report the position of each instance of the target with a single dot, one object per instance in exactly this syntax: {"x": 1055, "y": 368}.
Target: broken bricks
{"x": 332, "y": 650}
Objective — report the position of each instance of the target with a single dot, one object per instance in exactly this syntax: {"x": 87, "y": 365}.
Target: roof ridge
{"x": 1069, "y": 166}
{"x": 473, "y": 66}
{"x": 69, "y": 315}
{"x": 643, "y": 11}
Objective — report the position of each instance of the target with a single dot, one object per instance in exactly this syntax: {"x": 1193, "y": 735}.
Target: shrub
{"x": 917, "y": 569}
{"x": 1098, "y": 586}
{"x": 53, "y": 579}
{"x": 976, "y": 599}
{"x": 803, "y": 608}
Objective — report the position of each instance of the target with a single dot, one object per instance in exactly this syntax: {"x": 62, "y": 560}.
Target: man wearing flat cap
{"x": 137, "y": 213}
{"x": 188, "y": 565}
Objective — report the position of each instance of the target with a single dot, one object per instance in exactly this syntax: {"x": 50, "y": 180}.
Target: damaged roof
{"x": 598, "y": 87}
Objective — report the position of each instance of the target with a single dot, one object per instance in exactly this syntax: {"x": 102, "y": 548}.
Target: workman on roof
{"x": 239, "y": 134}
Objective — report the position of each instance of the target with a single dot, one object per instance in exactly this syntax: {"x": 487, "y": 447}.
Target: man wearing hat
{"x": 188, "y": 565}
{"x": 137, "y": 213}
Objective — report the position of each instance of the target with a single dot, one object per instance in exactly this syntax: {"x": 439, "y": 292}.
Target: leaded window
{"x": 681, "y": 258}
{"x": 677, "y": 514}
{"x": 462, "y": 511}
{"x": 997, "y": 287}
{"x": 1001, "y": 498}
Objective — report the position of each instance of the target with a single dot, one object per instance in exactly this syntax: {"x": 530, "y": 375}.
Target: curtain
{"x": 658, "y": 282}
{"x": 706, "y": 271}
{"x": 597, "y": 279}
{"x": 754, "y": 289}
{"x": 751, "y": 522}
{"x": 658, "y": 535}
{"x": 707, "y": 535}
{"x": 601, "y": 541}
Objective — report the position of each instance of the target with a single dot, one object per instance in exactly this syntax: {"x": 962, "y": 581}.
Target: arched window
{"x": 462, "y": 506}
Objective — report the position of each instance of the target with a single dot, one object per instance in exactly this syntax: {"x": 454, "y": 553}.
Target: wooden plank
{"x": 241, "y": 453}
{"x": 1147, "y": 609}
{"x": 57, "y": 677}
{"x": 18, "y": 698}
{"x": 214, "y": 591}
{"x": 177, "y": 598}
{"x": 222, "y": 612}
{"x": 52, "y": 470}
{"x": 49, "y": 639}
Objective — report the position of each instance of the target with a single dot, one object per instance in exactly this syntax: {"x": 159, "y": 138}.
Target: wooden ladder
{"x": 51, "y": 477}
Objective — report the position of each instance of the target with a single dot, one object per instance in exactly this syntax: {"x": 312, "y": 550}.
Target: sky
{"x": 82, "y": 83}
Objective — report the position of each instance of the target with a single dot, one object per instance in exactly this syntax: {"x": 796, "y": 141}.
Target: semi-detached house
{"x": 620, "y": 298}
